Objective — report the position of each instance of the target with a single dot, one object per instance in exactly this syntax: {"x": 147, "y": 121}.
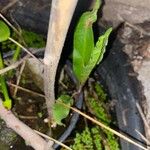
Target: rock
{"x": 132, "y": 11}
{"x": 7, "y": 136}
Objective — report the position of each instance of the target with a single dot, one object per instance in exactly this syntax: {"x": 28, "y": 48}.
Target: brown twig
{"x": 25, "y": 49}
{"x": 14, "y": 65}
{"x": 143, "y": 118}
{"x": 143, "y": 137}
{"x": 18, "y": 78}
{"x": 10, "y": 4}
{"x": 26, "y": 90}
{"x": 50, "y": 138}
{"x": 9, "y": 24}
{"x": 27, "y": 117}
{"x": 23, "y": 130}
{"x": 106, "y": 127}
{"x": 138, "y": 28}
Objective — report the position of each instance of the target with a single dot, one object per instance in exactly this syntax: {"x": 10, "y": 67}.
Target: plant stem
{"x": 16, "y": 54}
{"x": 23, "y": 130}
{"x": 2, "y": 80}
{"x": 60, "y": 18}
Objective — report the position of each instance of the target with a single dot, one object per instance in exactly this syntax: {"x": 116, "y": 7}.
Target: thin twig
{"x": 106, "y": 127}
{"x": 21, "y": 39}
{"x": 26, "y": 90}
{"x": 143, "y": 117}
{"x": 17, "y": 31}
{"x": 25, "y": 49}
{"x": 143, "y": 137}
{"x": 18, "y": 78}
{"x": 10, "y": 4}
{"x": 9, "y": 24}
{"x": 14, "y": 65}
{"x": 23, "y": 130}
{"x": 27, "y": 117}
{"x": 138, "y": 28}
{"x": 50, "y": 138}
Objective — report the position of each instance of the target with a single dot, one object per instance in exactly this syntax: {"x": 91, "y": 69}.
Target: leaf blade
{"x": 96, "y": 55}
{"x": 84, "y": 40}
{"x": 60, "y": 111}
{"x": 4, "y": 31}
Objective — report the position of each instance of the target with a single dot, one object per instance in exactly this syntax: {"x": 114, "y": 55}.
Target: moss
{"x": 96, "y": 138}
{"x": 83, "y": 141}
{"x": 31, "y": 39}
{"x": 98, "y": 110}
{"x": 100, "y": 92}
{"x": 113, "y": 144}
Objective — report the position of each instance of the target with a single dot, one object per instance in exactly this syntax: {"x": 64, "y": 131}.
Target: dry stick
{"x": 9, "y": 24}
{"x": 14, "y": 65}
{"x": 18, "y": 31}
{"x": 138, "y": 28}
{"x": 50, "y": 138}
{"x": 143, "y": 137}
{"x": 60, "y": 18}
{"x": 28, "y": 117}
{"x": 106, "y": 127}
{"x": 23, "y": 130}
{"x": 144, "y": 119}
{"x": 26, "y": 50}
{"x": 26, "y": 90}
{"x": 142, "y": 116}
{"x": 18, "y": 78}
{"x": 10, "y": 4}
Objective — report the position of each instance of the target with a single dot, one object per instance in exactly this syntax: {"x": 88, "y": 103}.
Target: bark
{"x": 31, "y": 138}
{"x": 60, "y": 18}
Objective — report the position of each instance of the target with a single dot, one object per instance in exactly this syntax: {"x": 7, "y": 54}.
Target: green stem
{"x": 14, "y": 59}
{"x": 4, "y": 87}
{"x": 16, "y": 54}
{"x": 1, "y": 61}
{"x": 7, "y": 101}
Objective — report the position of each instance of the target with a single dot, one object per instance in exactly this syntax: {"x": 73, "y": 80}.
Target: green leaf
{"x": 84, "y": 40}
{"x": 85, "y": 54}
{"x": 100, "y": 47}
{"x": 4, "y": 31}
{"x": 60, "y": 111}
{"x": 96, "y": 56}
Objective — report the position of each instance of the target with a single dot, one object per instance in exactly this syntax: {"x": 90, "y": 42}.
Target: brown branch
{"x": 9, "y": 5}
{"x": 14, "y": 65}
{"x": 32, "y": 138}
{"x": 19, "y": 78}
{"x": 60, "y": 17}
{"x": 52, "y": 139}
{"x": 26, "y": 90}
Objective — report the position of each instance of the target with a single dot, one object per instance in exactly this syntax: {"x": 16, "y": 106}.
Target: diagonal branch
{"x": 23, "y": 130}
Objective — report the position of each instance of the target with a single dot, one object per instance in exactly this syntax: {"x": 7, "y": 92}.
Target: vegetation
{"x": 93, "y": 137}
{"x": 86, "y": 55}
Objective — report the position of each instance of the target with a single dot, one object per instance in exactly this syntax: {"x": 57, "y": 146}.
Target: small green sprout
{"x": 4, "y": 35}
